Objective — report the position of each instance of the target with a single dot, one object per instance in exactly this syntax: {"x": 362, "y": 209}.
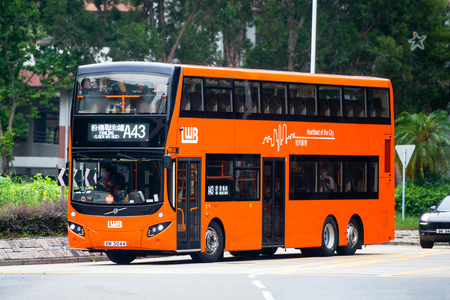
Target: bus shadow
{"x": 179, "y": 260}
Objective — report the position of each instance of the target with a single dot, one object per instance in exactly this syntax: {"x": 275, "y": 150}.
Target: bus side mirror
{"x": 167, "y": 161}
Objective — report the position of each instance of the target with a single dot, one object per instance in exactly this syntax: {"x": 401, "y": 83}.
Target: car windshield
{"x": 445, "y": 204}
{"x": 123, "y": 182}
{"x": 122, "y": 93}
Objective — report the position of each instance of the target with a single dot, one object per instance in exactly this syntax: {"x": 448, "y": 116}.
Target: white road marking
{"x": 258, "y": 284}
{"x": 267, "y": 295}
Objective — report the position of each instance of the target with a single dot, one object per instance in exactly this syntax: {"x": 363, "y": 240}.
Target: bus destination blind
{"x": 118, "y": 132}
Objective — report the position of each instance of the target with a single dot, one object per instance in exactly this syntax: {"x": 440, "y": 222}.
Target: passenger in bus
{"x": 109, "y": 181}
{"x": 326, "y": 182}
{"x": 88, "y": 86}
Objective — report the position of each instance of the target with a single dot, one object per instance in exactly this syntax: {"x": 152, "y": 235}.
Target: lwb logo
{"x": 189, "y": 135}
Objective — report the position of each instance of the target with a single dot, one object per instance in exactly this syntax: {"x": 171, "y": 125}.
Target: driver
{"x": 109, "y": 182}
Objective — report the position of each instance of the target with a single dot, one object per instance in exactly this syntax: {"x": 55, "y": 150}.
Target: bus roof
{"x": 249, "y": 74}
{"x": 129, "y": 66}
{"x": 289, "y": 76}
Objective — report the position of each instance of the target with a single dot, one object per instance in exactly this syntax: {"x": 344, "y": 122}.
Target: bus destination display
{"x": 118, "y": 132}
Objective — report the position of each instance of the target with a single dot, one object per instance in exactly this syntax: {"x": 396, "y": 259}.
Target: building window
{"x": 46, "y": 128}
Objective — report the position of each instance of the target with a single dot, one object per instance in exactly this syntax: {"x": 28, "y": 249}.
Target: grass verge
{"x": 410, "y": 222}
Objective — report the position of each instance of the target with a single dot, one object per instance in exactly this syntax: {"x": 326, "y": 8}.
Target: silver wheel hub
{"x": 352, "y": 235}
{"x": 211, "y": 241}
{"x": 328, "y": 236}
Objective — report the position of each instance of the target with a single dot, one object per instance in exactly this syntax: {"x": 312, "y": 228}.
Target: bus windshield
{"x": 117, "y": 182}
{"x": 121, "y": 93}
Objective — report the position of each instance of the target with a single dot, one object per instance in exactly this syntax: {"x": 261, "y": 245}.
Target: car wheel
{"x": 352, "y": 239}
{"x": 121, "y": 257}
{"x": 214, "y": 245}
{"x": 426, "y": 244}
{"x": 329, "y": 238}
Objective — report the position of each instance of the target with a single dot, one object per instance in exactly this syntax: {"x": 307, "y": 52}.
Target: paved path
{"x": 42, "y": 250}
{"x": 56, "y": 249}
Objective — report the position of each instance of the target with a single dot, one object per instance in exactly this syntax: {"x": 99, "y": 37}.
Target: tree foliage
{"x": 23, "y": 60}
{"x": 368, "y": 38}
{"x": 430, "y": 133}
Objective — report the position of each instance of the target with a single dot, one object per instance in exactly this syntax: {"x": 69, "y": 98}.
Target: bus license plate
{"x": 115, "y": 244}
{"x": 445, "y": 231}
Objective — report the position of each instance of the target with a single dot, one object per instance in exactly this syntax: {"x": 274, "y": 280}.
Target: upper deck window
{"x": 378, "y": 103}
{"x": 122, "y": 93}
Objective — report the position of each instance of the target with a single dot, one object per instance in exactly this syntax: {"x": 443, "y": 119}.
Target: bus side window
{"x": 354, "y": 102}
{"x": 302, "y": 100}
{"x": 330, "y": 101}
{"x": 191, "y": 98}
{"x": 223, "y": 101}
{"x": 238, "y": 104}
{"x": 378, "y": 103}
{"x": 185, "y": 103}
{"x": 354, "y": 177}
{"x": 196, "y": 101}
{"x": 330, "y": 177}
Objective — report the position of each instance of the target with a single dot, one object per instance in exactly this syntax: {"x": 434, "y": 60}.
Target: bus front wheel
{"x": 329, "y": 237}
{"x": 121, "y": 257}
{"x": 214, "y": 245}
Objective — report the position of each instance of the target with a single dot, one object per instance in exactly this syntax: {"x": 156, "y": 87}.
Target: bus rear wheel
{"x": 352, "y": 239}
{"x": 121, "y": 257}
{"x": 214, "y": 245}
{"x": 329, "y": 238}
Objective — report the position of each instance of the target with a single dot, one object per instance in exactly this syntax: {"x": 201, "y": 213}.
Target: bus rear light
{"x": 77, "y": 229}
{"x": 158, "y": 228}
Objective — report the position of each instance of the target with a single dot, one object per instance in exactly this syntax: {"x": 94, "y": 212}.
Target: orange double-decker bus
{"x": 179, "y": 159}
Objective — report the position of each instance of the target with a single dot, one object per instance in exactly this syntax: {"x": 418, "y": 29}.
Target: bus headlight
{"x": 77, "y": 229}
{"x": 158, "y": 228}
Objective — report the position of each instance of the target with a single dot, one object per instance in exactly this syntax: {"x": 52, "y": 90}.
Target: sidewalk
{"x": 405, "y": 237}
{"x": 28, "y": 251}
{"x": 43, "y": 251}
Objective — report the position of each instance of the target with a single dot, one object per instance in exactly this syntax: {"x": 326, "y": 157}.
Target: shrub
{"x": 31, "y": 207}
{"x": 32, "y": 191}
{"x": 48, "y": 219}
{"x": 420, "y": 196}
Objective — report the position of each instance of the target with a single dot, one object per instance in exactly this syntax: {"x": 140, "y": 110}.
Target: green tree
{"x": 357, "y": 37}
{"x": 23, "y": 60}
{"x": 430, "y": 133}
{"x": 81, "y": 34}
{"x": 284, "y": 28}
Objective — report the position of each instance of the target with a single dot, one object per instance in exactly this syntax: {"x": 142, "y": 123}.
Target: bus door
{"x": 273, "y": 201}
{"x": 188, "y": 204}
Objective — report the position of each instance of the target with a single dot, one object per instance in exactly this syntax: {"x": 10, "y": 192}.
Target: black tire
{"x": 269, "y": 251}
{"x": 246, "y": 253}
{"x": 121, "y": 257}
{"x": 426, "y": 244}
{"x": 329, "y": 238}
{"x": 353, "y": 239}
{"x": 307, "y": 252}
{"x": 214, "y": 245}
